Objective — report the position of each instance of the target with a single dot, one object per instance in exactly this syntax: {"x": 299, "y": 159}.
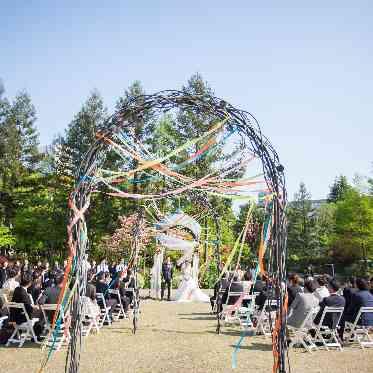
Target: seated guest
{"x": 349, "y": 290}
{"x": 102, "y": 287}
{"x": 3, "y": 273}
{"x": 130, "y": 283}
{"x": 293, "y": 288}
{"x": 234, "y": 286}
{"x": 259, "y": 284}
{"x": 333, "y": 300}
{"x": 120, "y": 285}
{"x": 303, "y": 304}
{"x": 322, "y": 290}
{"x": 90, "y": 291}
{"x": 11, "y": 283}
{"x": 52, "y": 293}
{"x": 20, "y": 295}
{"x": 35, "y": 289}
{"x": 371, "y": 285}
{"x": 361, "y": 298}
{"x": 219, "y": 287}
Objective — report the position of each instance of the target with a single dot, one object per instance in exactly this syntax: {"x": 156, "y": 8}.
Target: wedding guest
{"x": 322, "y": 290}
{"x": 36, "y": 287}
{"x": 102, "y": 287}
{"x": 52, "y": 293}
{"x": 361, "y": 298}
{"x": 234, "y": 287}
{"x": 130, "y": 283}
{"x": 91, "y": 288}
{"x": 302, "y": 304}
{"x": 11, "y": 283}
{"x": 3, "y": 273}
{"x": 293, "y": 288}
{"x": 349, "y": 290}
{"x": 102, "y": 267}
{"x": 333, "y": 300}
{"x": 21, "y": 295}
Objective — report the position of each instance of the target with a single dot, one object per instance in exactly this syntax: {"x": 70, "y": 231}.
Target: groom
{"x": 167, "y": 273}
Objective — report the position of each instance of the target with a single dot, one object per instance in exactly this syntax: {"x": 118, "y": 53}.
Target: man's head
{"x": 26, "y": 280}
{"x": 13, "y": 272}
{"x": 321, "y": 280}
{"x": 294, "y": 279}
{"x": 362, "y": 284}
{"x": 168, "y": 260}
{"x": 333, "y": 286}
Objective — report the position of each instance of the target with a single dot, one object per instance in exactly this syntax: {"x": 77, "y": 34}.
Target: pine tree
{"x": 338, "y": 189}
{"x": 302, "y": 236}
{"x": 81, "y": 132}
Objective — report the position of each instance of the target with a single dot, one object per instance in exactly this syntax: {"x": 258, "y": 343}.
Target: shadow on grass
{"x": 255, "y": 347}
{"x": 206, "y": 318}
{"x": 195, "y": 314}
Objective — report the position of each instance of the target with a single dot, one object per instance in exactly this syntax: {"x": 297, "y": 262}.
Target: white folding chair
{"x": 246, "y": 312}
{"x": 24, "y": 331}
{"x": 2, "y": 320}
{"x": 301, "y": 335}
{"x": 229, "y": 314}
{"x": 266, "y": 319}
{"x": 328, "y": 336}
{"x": 356, "y": 332}
{"x": 91, "y": 316}
{"x": 105, "y": 311}
{"x": 57, "y": 337}
{"x": 119, "y": 310}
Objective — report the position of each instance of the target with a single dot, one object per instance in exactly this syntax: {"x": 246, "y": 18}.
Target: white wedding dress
{"x": 188, "y": 290}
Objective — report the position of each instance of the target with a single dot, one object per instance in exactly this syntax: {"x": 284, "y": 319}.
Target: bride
{"x": 188, "y": 290}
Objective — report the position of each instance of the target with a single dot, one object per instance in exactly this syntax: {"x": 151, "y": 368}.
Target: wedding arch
{"x": 234, "y": 134}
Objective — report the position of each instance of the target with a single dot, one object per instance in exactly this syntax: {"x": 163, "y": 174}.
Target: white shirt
{"x": 102, "y": 268}
{"x": 321, "y": 293}
{"x": 120, "y": 267}
{"x": 10, "y": 284}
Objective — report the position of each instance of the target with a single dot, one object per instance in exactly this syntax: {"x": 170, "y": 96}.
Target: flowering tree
{"x": 120, "y": 242}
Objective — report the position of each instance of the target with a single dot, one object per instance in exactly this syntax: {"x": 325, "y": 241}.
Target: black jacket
{"x": 330, "y": 320}
{"x": 3, "y": 276}
{"x": 20, "y": 295}
{"x": 362, "y": 298}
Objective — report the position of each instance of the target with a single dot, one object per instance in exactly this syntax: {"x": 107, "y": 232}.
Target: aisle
{"x": 180, "y": 338}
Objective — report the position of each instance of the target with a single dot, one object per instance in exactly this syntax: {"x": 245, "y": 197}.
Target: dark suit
{"x": 102, "y": 287}
{"x": 3, "y": 276}
{"x": 90, "y": 291}
{"x": 359, "y": 299}
{"x": 330, "y": 320}
{"x": 347, "y": 294}
{"x": 20, "y": 295}
{"x": 167, "y": 273}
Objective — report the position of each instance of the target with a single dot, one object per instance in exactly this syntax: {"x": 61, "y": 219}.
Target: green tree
{"x": 339, "y": 188}
{"x": 19, "y": 154}
{"x": 353, "y": 239}
{"x": 81, "y": 132}
{"x": 302, "y": 238}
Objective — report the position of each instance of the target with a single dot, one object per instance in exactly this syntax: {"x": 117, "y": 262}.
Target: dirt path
{"x": 181, "y": 338}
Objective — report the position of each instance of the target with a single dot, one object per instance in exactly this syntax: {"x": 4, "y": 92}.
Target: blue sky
{"x": 304, "y": 70}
